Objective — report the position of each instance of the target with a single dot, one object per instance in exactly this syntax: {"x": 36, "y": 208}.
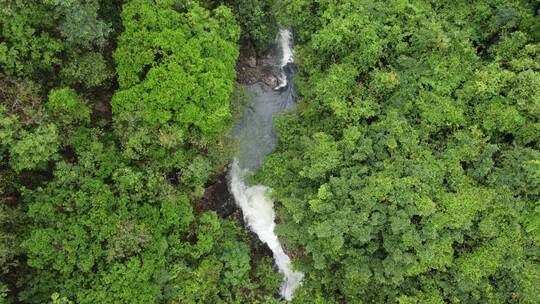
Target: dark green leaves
{"x": 408, "y": 174}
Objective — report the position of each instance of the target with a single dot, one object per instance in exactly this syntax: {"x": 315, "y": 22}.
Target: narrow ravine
{"x": 256, "y": 136}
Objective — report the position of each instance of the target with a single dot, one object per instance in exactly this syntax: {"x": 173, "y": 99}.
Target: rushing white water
{"x": 256, "y": 136}
{"x": 258, "y": 210}
{"x": 285, "y": 44}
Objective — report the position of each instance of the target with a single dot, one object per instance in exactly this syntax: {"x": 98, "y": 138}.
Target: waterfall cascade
{"x": 285, "y": 43}
{"x": 259, "y": 215}
{"x": 256, "y": 136}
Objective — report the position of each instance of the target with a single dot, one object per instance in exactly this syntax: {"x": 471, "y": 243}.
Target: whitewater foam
{"x": 259, "y": 215}
{"x": 256, "y": 135}
{"x": 285, "y": 44}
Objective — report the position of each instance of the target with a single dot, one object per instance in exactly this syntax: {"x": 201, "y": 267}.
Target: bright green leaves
{"x": 122, "y": 228}
{"x": 67, "y": 108}
{"x": 84, "y": 215}
{"x": 501, "y": 117}
{"x": 104, "y": 224}
{"x": 39, "y": 244}
{"x": 3, "y": 52}
{"x": 494, "y": 258}
{"x": 460, "y": 209}
{"x": 216, "y": 267}
{"x": 176, "y": 214}
{"x": 440, "y": 112}
{"x": 130, "y": 236}
{"x": 349, "y": 37}
{"x": 323, "y": 203}
{"x": 208, "y": 234}
{"x": 410, "y": 174}
{"x": 176, "y": 71}
{"x": 31, "y": 34}
{"x": 383, "y": 82}
{"x": 335, "y": 88}
{"x": 510, "y": 47}
{"x": 235, "y": 257}
{"x": 269, "y": 279}
{"x": 25, "y": 50}
{"x": 33, "y": 149}
{"x": 190, "y": 39}
{"x": 502, "y": 108}
{"x": 425, "y": 206}
{"x": 89, "y": 70}
{"x": 131, "y": 282}
{"x": 532, "y": 169}
{"x": 198, "y": 285}
{"x": 56, "y": 299}
{"x": 411, "y": 167}
{"x": 197, "y": 174}
{"x": 8, "y": 128}
{"x": 322, "y": 157}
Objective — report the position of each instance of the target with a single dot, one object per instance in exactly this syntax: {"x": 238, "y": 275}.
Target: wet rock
{"x": 217, "y": 197}
{"x": 252, "y": 62}
{"x": 270, "y": 80}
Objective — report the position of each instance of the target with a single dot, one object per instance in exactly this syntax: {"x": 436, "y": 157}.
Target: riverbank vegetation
{"x": 409, "y": 174}
{"x": 113, "y": 118}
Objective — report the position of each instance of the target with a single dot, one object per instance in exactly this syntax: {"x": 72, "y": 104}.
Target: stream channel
{"x": 256, "y": 136}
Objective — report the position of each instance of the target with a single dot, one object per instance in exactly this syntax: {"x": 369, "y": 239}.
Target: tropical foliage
{"x": 410, "y": 173}
{"x": 99, "y": 204}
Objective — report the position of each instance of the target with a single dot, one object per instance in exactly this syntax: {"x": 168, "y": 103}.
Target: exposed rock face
{"x": 252, "y": 62}
{"x": 217, "y": 197}
{"x": 270, "y": 80}
{"x": 251, "y": 69}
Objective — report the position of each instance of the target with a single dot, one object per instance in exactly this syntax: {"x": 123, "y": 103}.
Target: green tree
{"x": 89, "y": 70}
{"x": 258, "y": 22}
{"x": 176, "y": 72}
{"x": 31, "y": 150}
{"x": 67, "y": 108}
{"x": 108, "y": 222}
{"x": 36, "y": 35}
{"x": 407, "y": 175}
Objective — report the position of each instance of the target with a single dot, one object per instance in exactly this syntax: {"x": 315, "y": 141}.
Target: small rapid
{"x": 285, "y": 42}
{"x": 256, "y": 136}
{"x": 259, "y": 215}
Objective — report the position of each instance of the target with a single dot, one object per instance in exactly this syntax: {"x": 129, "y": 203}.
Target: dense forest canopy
{"x": 410, "y": 172}
{"x": 100, "y": 179}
